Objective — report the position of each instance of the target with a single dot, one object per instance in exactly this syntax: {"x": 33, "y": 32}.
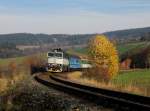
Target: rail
{"x": 119, "y": 100}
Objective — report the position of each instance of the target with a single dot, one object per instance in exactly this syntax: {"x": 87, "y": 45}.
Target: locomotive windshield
{"x": 58, "y": 55}
{"x": 50, "y": 54}
{"x": 54, "y": 54}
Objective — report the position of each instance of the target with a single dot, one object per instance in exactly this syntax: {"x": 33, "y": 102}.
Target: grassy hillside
{"x": 123, "y": 48}
{"x": 13, "y": 70}
{"x": 135, "y": 81}
{"x": 140, "y": 78}
{"x": 20, "y": 60}
{"x": 81, "y": 50}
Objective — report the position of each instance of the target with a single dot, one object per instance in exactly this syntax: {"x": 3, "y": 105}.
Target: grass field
{"x": 81, "y": 50}
{"x": 137, "y": 82}
{"x": 18, "y": 60}
{"x": 5, "y": 62}
{"x": 13, "y": 70}
{"x": 140, "y": 78}
{"x": 122, "y": 48}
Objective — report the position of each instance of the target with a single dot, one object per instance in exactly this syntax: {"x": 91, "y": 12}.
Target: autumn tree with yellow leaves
{"x": 104, "y": 57}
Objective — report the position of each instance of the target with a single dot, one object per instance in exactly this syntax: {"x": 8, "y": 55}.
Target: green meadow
{"x": 140, "y": 78}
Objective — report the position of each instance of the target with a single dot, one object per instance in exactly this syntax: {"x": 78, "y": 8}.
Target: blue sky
{"x": 72, "y": 16}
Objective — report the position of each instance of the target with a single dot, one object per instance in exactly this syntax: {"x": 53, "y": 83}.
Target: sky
{"x": 72, "y": 16}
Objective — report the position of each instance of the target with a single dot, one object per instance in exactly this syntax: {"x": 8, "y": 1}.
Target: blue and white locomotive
{"x": 60, "y": 61}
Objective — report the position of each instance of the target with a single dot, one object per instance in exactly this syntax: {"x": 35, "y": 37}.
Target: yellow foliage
{"x": 104, "y": 56}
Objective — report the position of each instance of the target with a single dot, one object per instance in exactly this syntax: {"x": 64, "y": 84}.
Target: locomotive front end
{"x": 56, "y": 61}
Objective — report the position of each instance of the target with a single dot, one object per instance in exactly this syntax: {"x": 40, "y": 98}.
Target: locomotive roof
{"x": 57, "y": 50}
{"x": 75, "y": 56}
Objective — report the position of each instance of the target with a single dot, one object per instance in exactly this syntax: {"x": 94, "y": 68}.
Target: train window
{"x": 58, "y": 54}
{"x": 50, "y": 54}
{"x": 77, "y": 61}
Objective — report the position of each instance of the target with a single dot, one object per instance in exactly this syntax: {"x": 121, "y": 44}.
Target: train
{"x": 60, "y": 61}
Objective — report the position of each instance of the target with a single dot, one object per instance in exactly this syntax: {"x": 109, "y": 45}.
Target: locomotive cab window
{"x": 58, "y": 55}
{"x": 77, "y": 61}
{"x": 50, "y": 54}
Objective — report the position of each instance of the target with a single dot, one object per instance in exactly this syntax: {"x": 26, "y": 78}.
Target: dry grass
{"x": 74, "y": 75}
{"x": 10, "y": 78}
{"x": 13, "y": 74}
{"x": 78, "y": 77}
{"x": 3, "y": 84}
{"x": 8, "y": 82}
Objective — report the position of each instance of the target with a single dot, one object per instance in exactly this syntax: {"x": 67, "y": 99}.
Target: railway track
{"x": 107, "y": 98}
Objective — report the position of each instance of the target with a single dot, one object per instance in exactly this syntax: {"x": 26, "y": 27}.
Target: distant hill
{"x": 36, "y": 39}
{"x": 10, "y": 44}
{"x": 129, "y": 33}
{"x": 39, "y": 39}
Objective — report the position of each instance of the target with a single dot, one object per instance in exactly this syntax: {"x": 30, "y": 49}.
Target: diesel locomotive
{"x": 60, "y": 61}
